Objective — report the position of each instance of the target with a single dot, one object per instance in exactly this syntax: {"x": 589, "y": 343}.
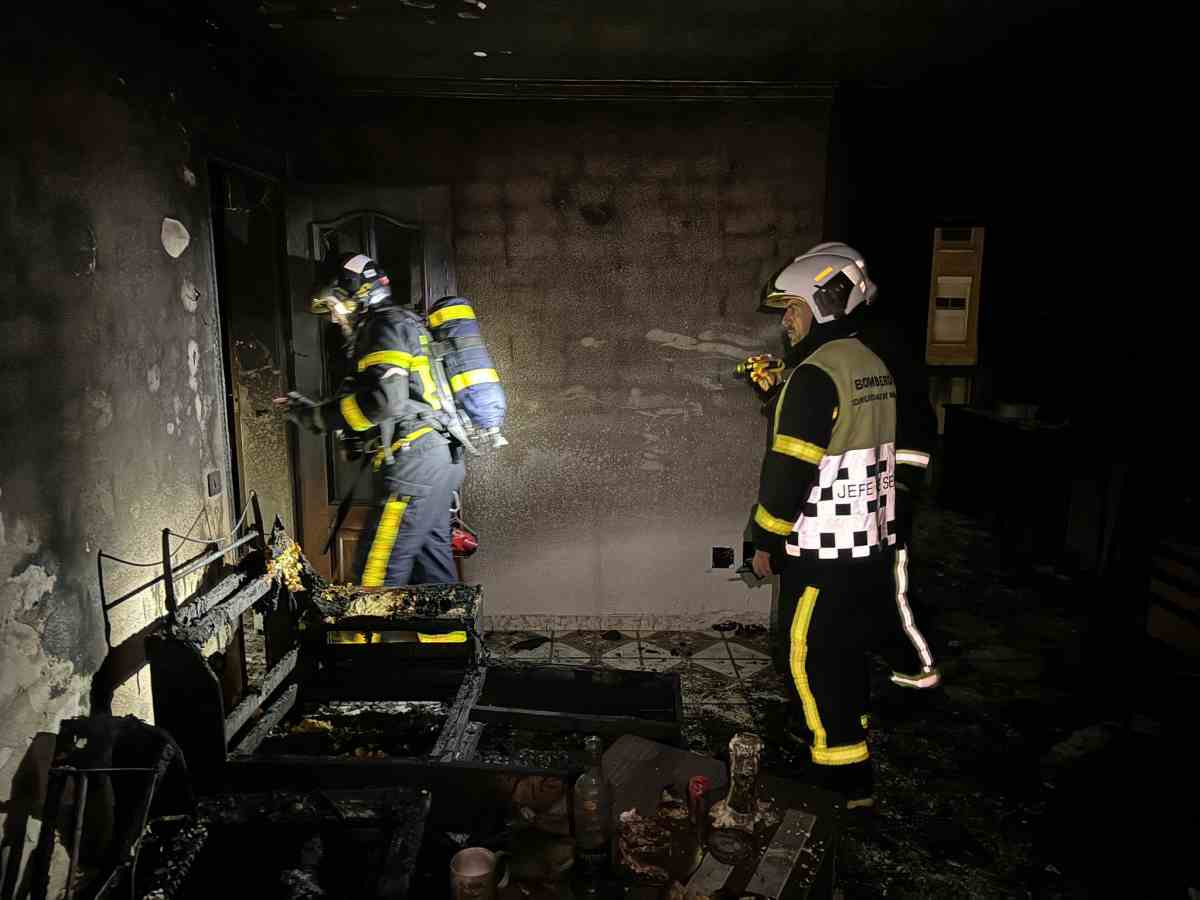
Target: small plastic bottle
{"x": 593, "y": 815}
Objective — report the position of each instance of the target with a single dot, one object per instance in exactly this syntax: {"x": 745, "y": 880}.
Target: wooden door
{"x": 408, "y": 232}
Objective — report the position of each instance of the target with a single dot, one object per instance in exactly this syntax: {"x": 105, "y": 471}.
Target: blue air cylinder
{"x": 469, "y": 367}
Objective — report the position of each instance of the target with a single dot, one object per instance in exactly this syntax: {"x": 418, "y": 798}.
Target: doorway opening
{"x": 247, "y": 215}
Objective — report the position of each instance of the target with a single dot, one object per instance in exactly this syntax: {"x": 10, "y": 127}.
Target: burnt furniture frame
{"x": 202, "y": 698}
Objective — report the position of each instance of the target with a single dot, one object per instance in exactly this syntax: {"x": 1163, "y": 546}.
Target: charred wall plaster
{"x": 111, "y": 408}
{"x": 615, "y": 254}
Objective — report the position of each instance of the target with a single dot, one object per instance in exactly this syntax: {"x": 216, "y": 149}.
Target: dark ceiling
{"x": 392, "y": 46}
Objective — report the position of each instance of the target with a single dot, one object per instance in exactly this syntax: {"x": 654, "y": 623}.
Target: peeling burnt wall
{"x": 111, "y": 409}
{"x": 615, "y": 254}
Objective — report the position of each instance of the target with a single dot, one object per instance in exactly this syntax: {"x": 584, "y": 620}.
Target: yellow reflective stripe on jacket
{"x": 397, "y": 358}
{"x": 790, "y": 446}
{"x": 770, "y": 523}
{"x": 450, "y": 313}
{"x": 452, "y": 637}
{"x": 385, "y": 539}
{"x": 420, "y": 365}
{"x": 352, "y": 414}
{"x": 476, "y": 376}
{"x": 399, "y": 445}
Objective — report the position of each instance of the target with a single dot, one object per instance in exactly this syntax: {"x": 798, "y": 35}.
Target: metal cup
{"x": 473, "y": 873}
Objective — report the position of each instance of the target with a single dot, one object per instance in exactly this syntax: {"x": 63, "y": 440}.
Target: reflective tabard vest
{"x": 850, "y": 509}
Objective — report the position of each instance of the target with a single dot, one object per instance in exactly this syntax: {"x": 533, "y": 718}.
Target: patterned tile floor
{"x": 1002, "y": 783}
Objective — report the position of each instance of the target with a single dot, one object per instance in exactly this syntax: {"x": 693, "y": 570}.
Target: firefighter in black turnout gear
{"x": 825, "y": 519}
{"x": 391, "y": 401}
{"x": 907, "y": 649}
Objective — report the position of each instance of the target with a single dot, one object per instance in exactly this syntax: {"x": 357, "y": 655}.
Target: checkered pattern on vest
{"x": 851, "y": 510}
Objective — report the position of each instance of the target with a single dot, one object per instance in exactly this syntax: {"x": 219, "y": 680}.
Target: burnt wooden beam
{"x": 571, "y": 690}
{"x": 220, "y": 608}
{"x": 415, "y": 681}
{"x": 270, "y": 718}
{"x": 434, "y": 603}
{"x": 467, "y": 795}
{"x": 469, "y": 743}
{"x": 549, "y": 720}
{"x": 243, "y": 711}
{"x": 310, "y": 806}
{"x": 404, "y": 844}
{"x": 450, "y": 743}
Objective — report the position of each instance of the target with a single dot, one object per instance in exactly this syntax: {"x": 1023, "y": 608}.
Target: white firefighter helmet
{"x": 846, "y": 250}
{"x": 831, "y": 279}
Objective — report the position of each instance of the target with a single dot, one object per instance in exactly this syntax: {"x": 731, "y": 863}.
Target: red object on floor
{"x": 463, "y": 542}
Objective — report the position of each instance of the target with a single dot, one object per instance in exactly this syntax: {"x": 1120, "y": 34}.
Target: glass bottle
{"x": 744, "y": 752}
{"x": 593, "y": 810}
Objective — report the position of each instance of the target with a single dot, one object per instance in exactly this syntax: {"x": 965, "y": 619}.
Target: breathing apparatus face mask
{"x": 340, "y": 307}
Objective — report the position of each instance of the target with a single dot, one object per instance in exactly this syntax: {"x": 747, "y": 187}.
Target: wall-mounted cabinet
{"x": 952, "y": 334}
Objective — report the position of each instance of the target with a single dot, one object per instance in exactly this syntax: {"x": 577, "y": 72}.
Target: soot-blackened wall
{"x": 615, "y": 254}
{"x": 112, "y": 410}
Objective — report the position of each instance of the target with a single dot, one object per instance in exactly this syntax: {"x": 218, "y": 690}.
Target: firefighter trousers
{"x": 836, "y": 613}
{"x": 407, "y": 539}
{"x": 907, "y": 651}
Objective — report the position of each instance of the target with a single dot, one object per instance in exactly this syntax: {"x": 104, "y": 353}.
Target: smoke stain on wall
{"x": 92, "y": 375}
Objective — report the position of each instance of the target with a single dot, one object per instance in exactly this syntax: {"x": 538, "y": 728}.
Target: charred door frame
{"x": 217, "y": 166}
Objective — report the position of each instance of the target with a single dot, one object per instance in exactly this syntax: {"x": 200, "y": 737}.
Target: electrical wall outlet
{"x": 722, "y": 557}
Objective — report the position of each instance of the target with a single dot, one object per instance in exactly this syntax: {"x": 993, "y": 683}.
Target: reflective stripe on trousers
{"x": 407, "y": 538}
{"x": 390, "y": 520}
{"x": 900, "y": 571}
{"x": 822, "y": 753}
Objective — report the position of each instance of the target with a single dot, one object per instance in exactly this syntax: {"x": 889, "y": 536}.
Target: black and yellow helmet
{"x": 359, "y": 283}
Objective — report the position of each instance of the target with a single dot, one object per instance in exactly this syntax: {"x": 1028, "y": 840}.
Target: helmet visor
{"x": 832, "y": 297}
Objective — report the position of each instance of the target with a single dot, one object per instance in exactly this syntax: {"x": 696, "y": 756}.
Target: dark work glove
{"x": 306, "y": 413}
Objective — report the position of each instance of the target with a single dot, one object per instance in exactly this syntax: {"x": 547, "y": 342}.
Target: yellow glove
{"x": 764, "y": 370}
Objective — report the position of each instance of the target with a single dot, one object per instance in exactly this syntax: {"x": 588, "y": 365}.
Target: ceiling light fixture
{"x": 480, "y": 53}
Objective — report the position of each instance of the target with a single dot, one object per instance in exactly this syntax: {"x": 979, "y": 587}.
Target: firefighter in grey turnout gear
{"x": 825, "y": 519}
{"x": 391, "y": 400}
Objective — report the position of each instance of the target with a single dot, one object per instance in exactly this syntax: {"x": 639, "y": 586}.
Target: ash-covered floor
{"x": 1057, "y": 759}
